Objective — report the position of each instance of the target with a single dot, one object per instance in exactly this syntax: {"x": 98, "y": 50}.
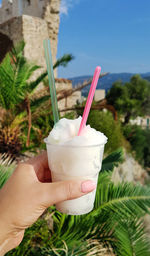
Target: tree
{"x": 139, "y": 139}
{"x": 17, "y": 89}
{"x": 130, "y": 99}
{"x": 15, "y": 85}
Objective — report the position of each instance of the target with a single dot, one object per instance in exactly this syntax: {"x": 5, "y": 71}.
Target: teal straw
{"x": 49, "y": 63}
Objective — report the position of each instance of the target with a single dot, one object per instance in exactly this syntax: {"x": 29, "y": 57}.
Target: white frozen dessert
{"x": 75, "y": 157}
{"x": 66, "y": 130}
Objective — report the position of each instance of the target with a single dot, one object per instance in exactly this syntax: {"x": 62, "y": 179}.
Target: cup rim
{"x": 73, "y": 146}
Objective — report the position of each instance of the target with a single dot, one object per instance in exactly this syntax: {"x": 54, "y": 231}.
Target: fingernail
{"x": 88, "y": 186}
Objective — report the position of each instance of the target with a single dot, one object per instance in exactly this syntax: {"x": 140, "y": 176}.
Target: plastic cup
{"x": 75, "y": 162}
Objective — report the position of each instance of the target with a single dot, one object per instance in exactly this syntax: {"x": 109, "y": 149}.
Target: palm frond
{"x": 87, "y": 248}
{"x": 116, "y": 203}
{"x": 6, "y": 79}
{"x": 132, "y": 239}
{"x": 63, "y": 61}
{"x": 17, "y": 51}
{"x": 112, "y": 160}
{"x": 6, "y": 169}
{"x": 19, "y": 120}
{"x": 35, "y": 103}
{"x": 33, "y": 84}
{"x": 15, "y": 72}
{"x": 124, "y": 199}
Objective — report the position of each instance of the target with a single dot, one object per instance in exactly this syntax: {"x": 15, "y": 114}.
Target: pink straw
{"x": 89, "y": 99}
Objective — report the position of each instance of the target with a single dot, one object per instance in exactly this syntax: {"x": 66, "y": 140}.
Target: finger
{"x": 52, "y": 193}
{"x": 39, "y": 161}
{"x": 46, "y": 177}
{"x": 40, "y": 165}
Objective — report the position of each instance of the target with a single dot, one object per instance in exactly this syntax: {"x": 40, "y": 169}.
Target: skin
{"x": 27, "y": 194}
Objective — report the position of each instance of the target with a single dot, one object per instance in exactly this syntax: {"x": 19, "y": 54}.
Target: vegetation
{"x": 23, "y": 110}
{"x": 139, "y": 139}
{"x": 104, "y": 122}
{"x": 130, "y": 99}
{"x": 16, "y": 90}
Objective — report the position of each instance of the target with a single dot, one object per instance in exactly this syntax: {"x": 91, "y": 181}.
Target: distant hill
{"x": 147, "y": 78}
{"x": 107, "y": 81}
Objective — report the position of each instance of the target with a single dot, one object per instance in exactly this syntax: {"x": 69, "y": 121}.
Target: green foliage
{"x": 139, "y": 139}
{"x": 41, "y": 126}
{"x": 14, "y": 74}
{"x": 70, "y": 115}
{"x": 6, "y": 169}
{"x": 112, "y": 160}
{"x": 104, "y": 122}
{"x": 131, "y": 238}
{"x": 16, "y": 92}
{"x": 17, "y": 97}
{"x": 147, "y": 149}
{"x": 130, "y": 99}
{"x": 64, "y": 60}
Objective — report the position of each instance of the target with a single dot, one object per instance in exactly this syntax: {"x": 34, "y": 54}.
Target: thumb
{"x": 56, "y": 192}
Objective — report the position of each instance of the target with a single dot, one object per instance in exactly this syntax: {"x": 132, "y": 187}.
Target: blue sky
{"x": 112, "y": 33}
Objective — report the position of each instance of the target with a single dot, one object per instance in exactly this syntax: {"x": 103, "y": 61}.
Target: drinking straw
{"x": 49, "y": 63}
{"x": 89, "y": 99}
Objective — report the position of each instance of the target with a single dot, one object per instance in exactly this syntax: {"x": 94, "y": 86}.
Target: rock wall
{"x": 130, "y": 170}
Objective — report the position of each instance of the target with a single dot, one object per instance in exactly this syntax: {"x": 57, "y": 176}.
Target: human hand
{"x": 27, "y": 194}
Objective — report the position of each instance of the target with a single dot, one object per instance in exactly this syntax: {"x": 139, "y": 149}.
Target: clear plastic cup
{"x": 75, "y": 162}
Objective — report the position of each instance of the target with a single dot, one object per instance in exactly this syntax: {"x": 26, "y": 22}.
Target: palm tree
{"x": 17, "y": 90}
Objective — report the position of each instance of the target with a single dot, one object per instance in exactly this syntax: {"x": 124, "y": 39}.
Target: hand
{"x": 27, "y": 194}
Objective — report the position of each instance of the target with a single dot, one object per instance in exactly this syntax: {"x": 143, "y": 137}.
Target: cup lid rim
{"x": 73, "y": 146}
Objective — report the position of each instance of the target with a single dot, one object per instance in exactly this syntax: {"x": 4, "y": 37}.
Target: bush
{"x": 139, "y": 140}
{"x": 105, "y": 123}
{"x": 147, "y": 149}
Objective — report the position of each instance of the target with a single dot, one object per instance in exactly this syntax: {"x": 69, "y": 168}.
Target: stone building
{"x": 99, "y": 95}
{"x": 144, "y": 122}
{"x": 31, "y": 21}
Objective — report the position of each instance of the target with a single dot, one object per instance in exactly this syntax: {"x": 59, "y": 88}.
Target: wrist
{"x": 9, "y": 241}
{"x": 4, "y": 247}
{"x": 5, "y": 236}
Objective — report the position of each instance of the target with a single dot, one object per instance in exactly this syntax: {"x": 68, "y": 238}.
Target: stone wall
{"x": 13, "y": 29}
{"x": 33, "y": 21}
{"x": 69, "y": 102}
{"x": 34, "y": 31}
{"x": 15, "y": 8}
{"x": 6, "y": 11}
{"x": 99, "y": 95}
{"x": 63, "y": 84}
{"x": 51, "y": 16}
